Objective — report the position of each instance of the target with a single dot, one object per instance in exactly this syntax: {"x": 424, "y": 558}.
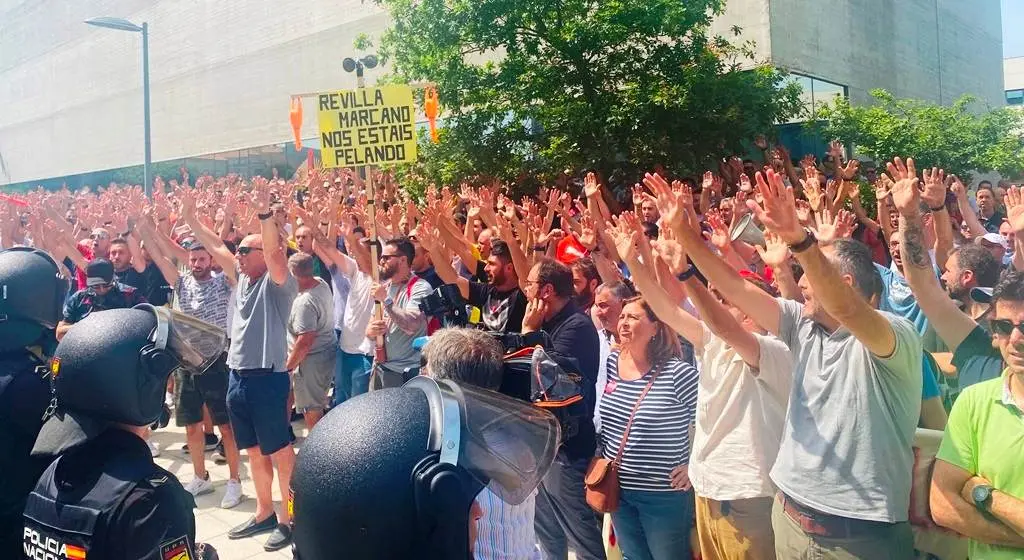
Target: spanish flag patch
{"x": 72, "y": 552}
{"x": 176, "y": 549}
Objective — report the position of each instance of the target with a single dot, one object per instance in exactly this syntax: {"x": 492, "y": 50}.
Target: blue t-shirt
{"x": 930, "y": 387}
{"x": 899, "y": 300}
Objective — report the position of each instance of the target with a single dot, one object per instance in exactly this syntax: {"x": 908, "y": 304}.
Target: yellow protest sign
{"x": 368, "y": 126}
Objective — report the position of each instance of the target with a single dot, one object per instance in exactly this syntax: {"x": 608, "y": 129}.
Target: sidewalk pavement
{"x": 212, "y": 522}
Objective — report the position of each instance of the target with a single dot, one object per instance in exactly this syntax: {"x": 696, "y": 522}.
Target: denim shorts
{"x": 258, "y": 406}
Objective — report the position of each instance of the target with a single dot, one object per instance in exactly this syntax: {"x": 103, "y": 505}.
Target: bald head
{"x": 249, "y": 256}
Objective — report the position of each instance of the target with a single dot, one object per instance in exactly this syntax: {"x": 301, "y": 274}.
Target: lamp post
{"x": 125, "y": 25}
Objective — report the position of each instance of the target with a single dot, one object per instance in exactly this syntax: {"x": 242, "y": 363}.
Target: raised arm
{"x": 207, "y": 237}
{"x": 838, "y": 298}
{"x": 442, "y": 263}
{"x": 167, "y": 268}
{"x": 776, "y": 254}
{"x": 970, "y": 217}
{"x": 273, "y": 248}
{"x": 951, "y": 324}
{"x": 759, "y": 306}
{"x": 629, "y": 244}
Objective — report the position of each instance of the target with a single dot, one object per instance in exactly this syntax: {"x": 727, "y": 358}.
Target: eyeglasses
{"x": 98, "y": 236}
{"x": 246, "y": 250}
{"x": 387, "y": 257}
{"x": 1004, "y": 327}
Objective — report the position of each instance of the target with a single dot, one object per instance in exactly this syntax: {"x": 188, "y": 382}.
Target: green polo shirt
{"x": 985, "y": 436}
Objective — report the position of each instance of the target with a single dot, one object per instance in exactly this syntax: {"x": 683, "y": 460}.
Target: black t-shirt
{"x": 573, "y": 334}
{"x": 430, "y": 275}
{"x": 499, "y": 311}
{"x": 157, "y": 290}
{"x": 133, "y": 278}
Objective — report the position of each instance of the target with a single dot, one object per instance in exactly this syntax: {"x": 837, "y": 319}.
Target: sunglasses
{"x": 1004, "y": 327}
{"x": 246, "y": 250}
{"x": 98, "y": 236}
{"x": 388, "y": 257}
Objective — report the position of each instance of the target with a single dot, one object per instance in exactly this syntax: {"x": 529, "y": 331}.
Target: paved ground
{"x": 212, "y": 522}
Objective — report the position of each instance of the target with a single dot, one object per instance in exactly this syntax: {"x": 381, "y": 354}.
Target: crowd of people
{"x": 756, "y": 348}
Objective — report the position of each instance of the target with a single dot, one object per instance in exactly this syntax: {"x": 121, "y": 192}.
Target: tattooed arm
{"x": 945, "y": 317}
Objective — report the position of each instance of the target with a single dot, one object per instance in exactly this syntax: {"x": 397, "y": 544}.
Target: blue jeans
{"x": 654, "y": 525}
{"x": 351, "y": 376}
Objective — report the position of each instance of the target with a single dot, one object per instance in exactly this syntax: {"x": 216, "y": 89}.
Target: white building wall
{"x": 221, "y": 73}
{"x": 1013, "y": 73}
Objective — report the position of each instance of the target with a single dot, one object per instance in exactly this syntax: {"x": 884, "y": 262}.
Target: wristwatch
{"x": 686, "y": 274}
{"x": 982, "y": 495}
{"x": 388, "y": 302}
{"x": 806, "y": 244}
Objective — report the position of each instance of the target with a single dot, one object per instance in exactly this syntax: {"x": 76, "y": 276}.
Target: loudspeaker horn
{"x": 747, "y": 231}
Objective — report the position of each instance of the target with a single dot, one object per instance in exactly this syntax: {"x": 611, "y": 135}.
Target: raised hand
{"x": 883, "y": 187}
{"x": 745, "y": 185}
{"x": 590, "y": 186}
{"x": 588, "y": 232}
{"x": 1014, "y": 201}
{"x": 777, "y": 210}
{"x": 719, "y": 235}
{"x": 905, "y": 194}
{"x": 812, "y": 190}
{"x": 638, "y": 195}
{"x": 958, "y": 188}
{"x": 934, "y": 194}
{"x": 775, "y": 253}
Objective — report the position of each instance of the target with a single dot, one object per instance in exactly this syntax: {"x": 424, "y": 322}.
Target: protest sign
{"x": 367, "y": 126}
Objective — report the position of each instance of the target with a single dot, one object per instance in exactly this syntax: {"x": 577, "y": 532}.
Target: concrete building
{"x": 222, "y": 71}
{"x": 1013, "y": 78}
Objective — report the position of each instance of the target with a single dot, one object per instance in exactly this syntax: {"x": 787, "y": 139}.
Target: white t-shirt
{"x": 740, "y": 418}
{"x": 358, "y": 310}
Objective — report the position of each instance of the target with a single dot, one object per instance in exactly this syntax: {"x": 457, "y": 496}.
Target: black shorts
{"x": 191, "y": 392}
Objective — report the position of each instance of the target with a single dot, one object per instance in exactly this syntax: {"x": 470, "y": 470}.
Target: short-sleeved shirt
{"x": 158, "y": 290}
{"x": 398, "y": 344}
{"x": 131, "y": 277}
{"x": 659, "y": 438}
{"x": 899, "y": 300}
{"x": 740, "y": 415}
{"x": 976, "y": 360}
{"x": 84, "y": 302}
{"x": 985, "y": 437}
{"x": 847, "y": 408}
{"x": 259, "y": 325}
{"x": 207, "y": 300}
{"x": 992, "y": 224}
{"x": 312, "y": 312}
{"x": 500, "y": 311}
{"x": 358, "y": 310}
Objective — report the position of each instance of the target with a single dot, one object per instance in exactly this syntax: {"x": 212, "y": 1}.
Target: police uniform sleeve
{"x": 74, "y": 308}
{"x": 155, "y": 523}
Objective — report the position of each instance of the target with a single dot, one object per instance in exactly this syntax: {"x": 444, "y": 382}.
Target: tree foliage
{"x": 958, "y": 138}
{"x": 532, "y": 87}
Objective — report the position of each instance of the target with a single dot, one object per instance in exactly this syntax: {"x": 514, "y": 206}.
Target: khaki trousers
{"x": 735, "y": 529}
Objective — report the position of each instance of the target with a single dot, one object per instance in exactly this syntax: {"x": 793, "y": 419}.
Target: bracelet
{"x": 805, "y": 244}
{"x": 539, "y": 248}
{"x": 686, "y": 274}
{"x": 939, "y": 208}
{"x": 265, "y": 216}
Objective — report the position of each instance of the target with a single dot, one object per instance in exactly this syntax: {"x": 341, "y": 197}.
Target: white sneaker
{"x": 199, "y": 486}
{"x": 154, "y": 449}
{"x": 232, "y": 495}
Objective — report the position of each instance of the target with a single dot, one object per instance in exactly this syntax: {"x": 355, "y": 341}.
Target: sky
{"x": 1013, "y": 28}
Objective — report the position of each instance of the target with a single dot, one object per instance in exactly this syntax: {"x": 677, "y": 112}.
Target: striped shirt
{"x": 505, "y": 531}
{"x": 659, "y": 438}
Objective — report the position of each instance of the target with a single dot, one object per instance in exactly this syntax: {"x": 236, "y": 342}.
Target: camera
{"x": 446, "y": 302}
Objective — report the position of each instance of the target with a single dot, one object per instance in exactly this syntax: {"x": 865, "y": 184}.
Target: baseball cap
{"x": 982, "y": 295}
{"x": 99, "y": 273}
{"x": 995, "y": 239}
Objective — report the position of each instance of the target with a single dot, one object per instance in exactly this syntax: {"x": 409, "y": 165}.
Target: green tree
{"x": 533, "y": 87}
{"x": 959, "y": 138}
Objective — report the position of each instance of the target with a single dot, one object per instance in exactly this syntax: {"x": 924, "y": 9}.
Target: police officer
{"x": 393, "y": 474}
{"x": 103, "y": 497}
{"x": 101, "y": 292}
{"x": 32, "y": 291}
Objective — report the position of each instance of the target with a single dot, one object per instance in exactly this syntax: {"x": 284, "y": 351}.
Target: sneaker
{"x": 199, "y": 486}
{"x": 232, "y": 495}
{"x": 280, "y": 538}
{"x": 212, "y": 441}
{"x": 218, "y": 455}
{"x": 154, "y": 449}
{"x": 253, "y": 527}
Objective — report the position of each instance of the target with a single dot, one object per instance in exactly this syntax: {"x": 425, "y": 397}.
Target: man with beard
{"x": 205, "y": 296}
{"x": 400, "y": 295}
{"x": 585, "y": 280}
{"x": 500, "y": 300}
{"x": 101, "y": 293}
{"x": 128, "y": 267}
{"x": 977, "y": 487}
{"x": 970, "y": 266}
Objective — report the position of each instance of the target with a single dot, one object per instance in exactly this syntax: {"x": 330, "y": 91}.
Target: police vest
{"x": 73, "y": 525}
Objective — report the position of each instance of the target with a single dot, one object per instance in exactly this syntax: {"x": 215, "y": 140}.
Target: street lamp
{"x": 125, "y": 25}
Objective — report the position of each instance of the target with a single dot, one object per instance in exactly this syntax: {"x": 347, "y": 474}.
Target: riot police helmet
{"x": 112, "y": 368}
{"x": 392, "y": 474}
{"x": 32, "y": 293}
